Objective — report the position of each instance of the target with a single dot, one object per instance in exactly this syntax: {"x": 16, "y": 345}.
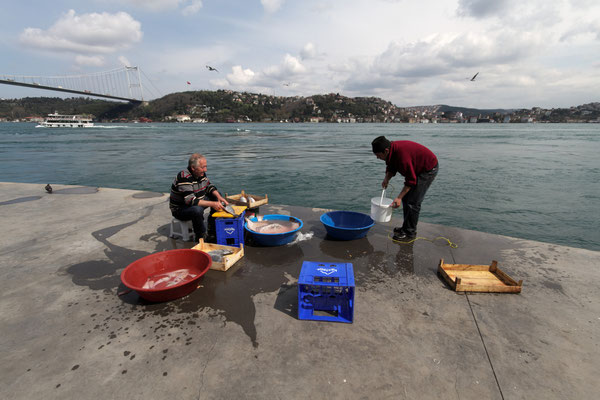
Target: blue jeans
{"x": 196, "y": 215}
{"x": 411, "y": 202}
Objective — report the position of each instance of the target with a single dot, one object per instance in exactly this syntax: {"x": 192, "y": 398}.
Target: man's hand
{"x": 396, "y": 203}
{"x": 385, "y": 183}
{"x": 218, "y": 206}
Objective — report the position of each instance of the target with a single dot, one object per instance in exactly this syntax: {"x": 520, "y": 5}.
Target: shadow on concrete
{"x": 287, "y": 300}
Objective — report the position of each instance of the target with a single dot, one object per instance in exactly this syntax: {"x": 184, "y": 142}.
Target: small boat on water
{"x": 66, "y": 121}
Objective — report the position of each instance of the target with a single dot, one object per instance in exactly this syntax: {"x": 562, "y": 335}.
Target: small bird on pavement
{"x": 48, "y": 188}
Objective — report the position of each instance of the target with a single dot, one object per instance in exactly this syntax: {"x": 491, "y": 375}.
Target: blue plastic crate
{"x": 230, "y": 231}
{"x": 326, "y": 292}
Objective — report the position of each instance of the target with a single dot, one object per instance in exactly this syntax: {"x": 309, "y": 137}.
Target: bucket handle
{"x": 381, "y": 200}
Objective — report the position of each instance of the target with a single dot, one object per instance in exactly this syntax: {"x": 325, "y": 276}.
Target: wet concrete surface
{"x": 66, "y": 332}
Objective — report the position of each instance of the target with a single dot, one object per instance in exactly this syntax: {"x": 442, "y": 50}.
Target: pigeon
{"x": 211, "y": 68}
{"x": 48, "y": 188}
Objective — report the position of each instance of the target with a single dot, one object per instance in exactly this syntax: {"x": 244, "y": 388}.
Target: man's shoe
{"x": 210, "y": 239}
{"x": 403, "y": 237}
{"x": 397, "y": 230}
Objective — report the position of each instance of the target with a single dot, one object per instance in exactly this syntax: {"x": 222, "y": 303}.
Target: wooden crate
{"x": 228, "y": 260}
{"x": 258, "y": 200}
{"x": 478, "y": 278}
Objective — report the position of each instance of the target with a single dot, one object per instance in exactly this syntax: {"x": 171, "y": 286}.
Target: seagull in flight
{"x": 211, "y": 68}
{"x": 286, "y": 84}
{"x": 474, "y": 76}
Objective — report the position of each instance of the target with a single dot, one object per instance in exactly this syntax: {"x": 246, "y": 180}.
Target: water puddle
{"x": 146, "y": 195}
{"x": 77, "y": 190}
{"x": 20, "y": 200}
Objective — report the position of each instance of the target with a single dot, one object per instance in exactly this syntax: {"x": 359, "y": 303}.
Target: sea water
{"x": 532, "y": 181}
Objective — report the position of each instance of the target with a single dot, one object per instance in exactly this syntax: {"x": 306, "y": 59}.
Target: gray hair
{"x": 194, "y": 159}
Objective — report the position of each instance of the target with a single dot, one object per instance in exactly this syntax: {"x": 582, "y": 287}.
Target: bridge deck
{"x": 58, "y": 89}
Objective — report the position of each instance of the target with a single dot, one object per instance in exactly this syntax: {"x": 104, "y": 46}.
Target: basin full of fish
{"x": 272, "y": 226}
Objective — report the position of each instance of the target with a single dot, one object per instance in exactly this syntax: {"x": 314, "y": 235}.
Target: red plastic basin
{"x": 166, "y": 275}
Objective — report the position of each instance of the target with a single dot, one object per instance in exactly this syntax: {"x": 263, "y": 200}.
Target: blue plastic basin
{"x": 347, "y": 225}
{"x": 274, "y": 239}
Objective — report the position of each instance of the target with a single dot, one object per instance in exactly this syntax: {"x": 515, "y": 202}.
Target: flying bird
{"x": 48, "y": 188}
{"x": 211, "y": 68}
{"x": 286, "y": 84}
{"x": 474, "y": 76}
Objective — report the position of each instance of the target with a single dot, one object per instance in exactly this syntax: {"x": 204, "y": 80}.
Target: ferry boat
{"x": 66, "y": 121}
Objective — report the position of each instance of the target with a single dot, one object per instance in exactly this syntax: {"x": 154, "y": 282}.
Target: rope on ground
{"x": 450, "y": 243}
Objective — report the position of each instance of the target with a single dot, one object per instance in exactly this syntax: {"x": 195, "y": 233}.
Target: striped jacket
{"x": 187, "y": 190}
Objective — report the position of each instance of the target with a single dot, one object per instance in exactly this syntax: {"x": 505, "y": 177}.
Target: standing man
{"x": 419, "y": 166}
{"x": 192, "y": 193}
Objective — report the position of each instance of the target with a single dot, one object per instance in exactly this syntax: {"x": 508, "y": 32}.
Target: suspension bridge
{"x": 123, "y": 83}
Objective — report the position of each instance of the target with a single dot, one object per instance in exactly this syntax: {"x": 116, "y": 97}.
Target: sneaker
{"x": 403, "y": 237}
{"x": 397, "y": 230}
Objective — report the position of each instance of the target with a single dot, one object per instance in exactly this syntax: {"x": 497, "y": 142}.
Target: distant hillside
{"x": 230, "y": 106}
{"x": 474, "y": 111}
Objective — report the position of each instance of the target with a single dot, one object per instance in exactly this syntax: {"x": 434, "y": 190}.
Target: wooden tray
{"x": 478, "y": 278}
{"x": 228, "y": 260}
{"x": 258, "y": 200}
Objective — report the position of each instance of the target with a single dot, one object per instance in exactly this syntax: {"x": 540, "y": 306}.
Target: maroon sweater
{"x": 410, "y": 159}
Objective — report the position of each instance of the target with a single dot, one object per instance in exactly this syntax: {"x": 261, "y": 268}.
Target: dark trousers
{"x": 411, "y": 202}
{"x": 196, "y": 215}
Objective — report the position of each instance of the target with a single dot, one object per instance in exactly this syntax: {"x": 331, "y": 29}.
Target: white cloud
{"x": 308, "y": 51}
{"x": 187, "y": 7}
{"x": 124, "y": 61}
{"x": 154, "y": 5}
{"x": 288, "y": 68}
{"x": 270, "y": 77}
{"x": 85, "y": 34}
{"x": 192, "y": 8}
{"x": 90, "y": 61}
{"x": 240, "y": 76}
{"x": 444, "y": 53}
{"x": 271, "y": 6}
{"x": 591, "y": 29}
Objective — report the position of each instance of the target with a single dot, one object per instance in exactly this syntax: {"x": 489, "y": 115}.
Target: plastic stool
{"x": 182, "y": 229}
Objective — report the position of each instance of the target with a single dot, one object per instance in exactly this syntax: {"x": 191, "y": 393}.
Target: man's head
{"x": 197, "y": 164}
{"x": 381, "y": 147}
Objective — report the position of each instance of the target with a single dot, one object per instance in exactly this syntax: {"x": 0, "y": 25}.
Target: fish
{"x": 218, "y": 254}
{"x": 168, "y": 279}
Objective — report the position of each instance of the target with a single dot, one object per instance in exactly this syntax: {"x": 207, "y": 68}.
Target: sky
{"x": 534, "y": 53}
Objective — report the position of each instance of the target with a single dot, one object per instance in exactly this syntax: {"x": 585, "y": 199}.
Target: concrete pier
{"x": 66, "y": 334}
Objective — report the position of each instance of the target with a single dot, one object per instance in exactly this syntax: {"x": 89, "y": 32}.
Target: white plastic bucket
{"x": 380, "y": 209}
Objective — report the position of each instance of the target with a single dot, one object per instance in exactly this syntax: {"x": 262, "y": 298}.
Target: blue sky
{"x": 542, "y": 53}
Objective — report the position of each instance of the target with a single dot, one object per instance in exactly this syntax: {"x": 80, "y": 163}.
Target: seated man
{"x": 192, "y": 193}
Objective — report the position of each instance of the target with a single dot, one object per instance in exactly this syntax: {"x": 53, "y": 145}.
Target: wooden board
{"x": 258, "y": 200}
{"x": 478, "y": 278}
{"x": 228, "y": 260}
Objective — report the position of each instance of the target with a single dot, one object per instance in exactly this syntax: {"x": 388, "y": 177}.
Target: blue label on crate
{"x": 327, "y": 271}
